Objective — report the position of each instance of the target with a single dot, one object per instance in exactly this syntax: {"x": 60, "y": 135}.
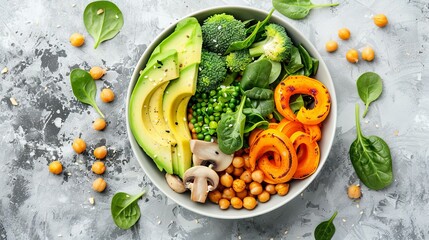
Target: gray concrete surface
{"x": 35, "y": 204}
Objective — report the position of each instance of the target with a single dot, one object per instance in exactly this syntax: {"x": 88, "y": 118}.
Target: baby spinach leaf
{"x": 277, "y": 115}
{"x": 84, "y": 88}
{"x": 230, "y": 130}
{"x": 265, "y": 107}
{"x": 369, "y": 86}
{"x": 295, "y": 62}
{"x": 276, "y": 69}
{"x": 103, "y": 20}
{"x": 307, "y": 60}
{"x": 259, "y": 93}
{"x": 255, "y": 75}
{"x": 262, "y": 25}
{"x": 297, "y": 104}
{"x": 261, "y": 99}
{"x": 254, "y": 120}
{"x": 325, "y": 230}
{"x": 315, "y": 66}
{"x": 371, "y": 159}
{"x": 297, "y": 9}
{"x": 125, "y": 210}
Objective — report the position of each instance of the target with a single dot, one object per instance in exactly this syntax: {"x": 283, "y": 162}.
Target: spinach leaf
{"x": 261, "y": 99}
{"x": 295, "y": 62}
{"x": 262, "y": 25}
{"x": 125, "y": 210}
{"x": 254, "y": 120}
{"x": 276, "y": 69}
{"x": 306, "y": 59}
{"x": 230, "y": 130}
{"x": 297, "y": 9}
{"x": 297, "y": 104}
{"x": 277, "y": 115}
{"x": 265, "y": 107}
{"x": 325, "y": 230}
{"x": 259, "y": 93}
{"x": 371, "y": 159}
{"x": 255, "y": 75}
{"x": 84, "y": 88}
{"x": 240, "y": 45}
{"x": 103, "y": 20}
{"x": 369, "y": 87}
{"x": 315, "y": 66}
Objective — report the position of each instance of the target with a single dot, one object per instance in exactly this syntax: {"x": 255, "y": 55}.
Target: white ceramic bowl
{"x": 296, "y": 187}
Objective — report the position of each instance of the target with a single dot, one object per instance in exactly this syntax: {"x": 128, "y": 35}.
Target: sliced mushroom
{"x": 208, "y": 153}
{"x": 175, "y": 183}
{"x": 200, "y": 180}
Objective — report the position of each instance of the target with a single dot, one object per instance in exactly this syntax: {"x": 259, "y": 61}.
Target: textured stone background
{"x": 35, "y": 204}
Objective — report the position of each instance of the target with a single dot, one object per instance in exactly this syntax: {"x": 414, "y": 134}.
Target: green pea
{"x": 200, "y": 136}
{"x": 211, "y": 117}
{"x": 231, "y": 105}
{"x": 213, "y": 125}
{"x": 194, "y": 113}
{"x": 203, "y": 104}
{"x": 207, "y": 138}
{"x": 206, "y": 120}
{"x": 218, "y": 108}
{"x": 212, "y": 92}
{"x": 200, "y": 119}
{"x": 198, "y": 129}
{"x": 199, "y": 111}
{"x": 204, "y": 95}
{"x": 193, "y": 120}
{"x": 217, "y": 118}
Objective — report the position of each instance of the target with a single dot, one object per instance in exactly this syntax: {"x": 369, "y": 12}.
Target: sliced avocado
{"x": 152, "y": 77}
{"x": 177, "y": 94}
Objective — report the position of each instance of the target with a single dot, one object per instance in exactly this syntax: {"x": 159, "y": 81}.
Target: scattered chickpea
{"x": 238, "y": 171}
{"x": 368, "y": 54}
{"x": 380, "y": 20}
{"x": 271, "y": 189}
{"x": 255, "y": 188}
{"x": 241, "y": 194}
{"x": 79, "y": 145}
{"x": 238, "y": 162}
{"x": 99, "y": 185}
{"x": 236, "y": 203}
{"x": 77, "y": 39}
{"x": 55, "y": 167}
{"x": 331, "y": 46}
{"x": 258, "y": 176}
{"x": 97, "y": 72}
{"x": 352, "y": 56}
{"x": 238, "y": 185}
{"x": 226, "y": 180}
{"x": 354, "y": 192}
{"x": 249, "y": 203}
{"x": 229, "y": 169}
{"x": 344, "y": 33}
{"x": 246, "y": 176}
{"x": 282, "y": 189}
{"x": 228, "y": 193}
{"x": 98, "y": 167}
{"x": 100, "y": 152}
{"x": 264, "y": 196}
{"x": 107, "y": 95}
{"x": 215, "y": 196}
{"x": 224, "y": 204}
{"x": 99, "y": 124}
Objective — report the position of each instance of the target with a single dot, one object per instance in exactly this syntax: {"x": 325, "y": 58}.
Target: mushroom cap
{"x": 175, "y": 183}
{"x": 200, "y": 180}
{"x": 208, "y": 153}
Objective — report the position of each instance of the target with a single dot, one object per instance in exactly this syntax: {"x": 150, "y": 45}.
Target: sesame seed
{"x": 100, "y": 11}
{"x": 13, "y": 101}
{"x": 5, "y": 70}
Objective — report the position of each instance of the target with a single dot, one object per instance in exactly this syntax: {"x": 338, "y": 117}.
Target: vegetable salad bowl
{"x": 296, "y": 186}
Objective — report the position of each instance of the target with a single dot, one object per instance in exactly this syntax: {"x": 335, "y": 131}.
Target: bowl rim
{"x": 145, "y": 56}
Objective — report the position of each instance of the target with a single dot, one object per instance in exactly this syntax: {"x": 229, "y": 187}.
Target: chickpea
{"x": 246, "y": 161}
{"x": 352, "y": 56}
{"x": 344, "y": 33}
{"x": 249, "y": 203}
{"x": 246, "y": 176}
{"x": 77, "y": 39}
{"x": 229, "y": 169}
{"x": 354, "y": 192}
{"x": 241, "y": 194}
{"x": 331, "y": 46}
{"x": 215, "y": 196}
{"x": 255, "y": 188}
{"x": 238, "y": 162}
{"x": 236, "y": 203}
{"x": 100, "y": 152}
{"x": 99, "y": 124}
{"x": 368, "y": 54}
{"x": 228, "y": 193}
{"x": 107, "y": 95}
{"x": 237, "y": 172}
{"x": 55, "y": 167}
{"x": 224, "y": 204}
{"x": 98, "y": 167}
{"x": 258, "y": 176}
{"x": 79, "y": 145}
{"x": 380, "y": 20}
{"x": 97, "y": 72}
{"x": 99, "y": 185}
{"x": 264, "y": 197}
{"x": 238, "y": 185}
{"x": 282, "y": 189}
{"x": 270, "y": 188}
{"x": 226, "y": 180}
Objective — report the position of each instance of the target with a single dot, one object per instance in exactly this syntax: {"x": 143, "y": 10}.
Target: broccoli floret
{"x": 220, "y": 30}
{"x": 276, "y": 47}
{"x": 238, "y": 61}
{"x": 211, "y": 72}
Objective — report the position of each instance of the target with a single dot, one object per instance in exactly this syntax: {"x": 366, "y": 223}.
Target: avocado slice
{"x": 153, "y": 76}
{"x": 175, "y": 101}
